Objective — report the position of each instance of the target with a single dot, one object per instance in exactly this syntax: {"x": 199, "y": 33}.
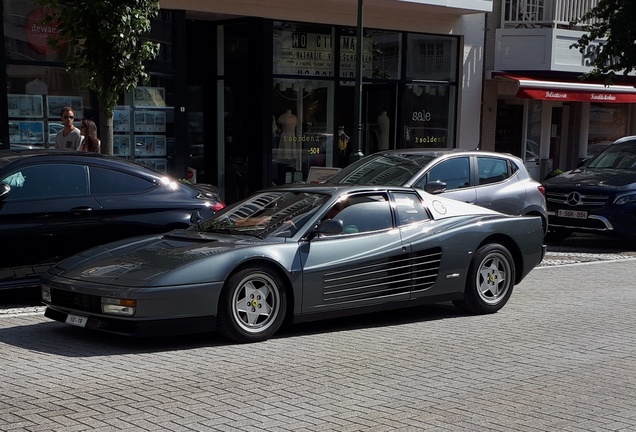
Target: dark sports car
{"x": 599, "y": 197}
{"x": 54, "y": 204}
{"x": 302, "y": 253}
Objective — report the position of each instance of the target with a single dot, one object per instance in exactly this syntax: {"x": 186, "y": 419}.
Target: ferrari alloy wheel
{"x": 252, "y": 305}
{"x": 490, "y": 281}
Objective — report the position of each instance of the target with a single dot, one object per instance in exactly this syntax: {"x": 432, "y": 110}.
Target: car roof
{"x": 331, "y": 188}
{"x": 9, "y": 156}
{"x": 625, "y": 139}
{"x": 442, "y": 152}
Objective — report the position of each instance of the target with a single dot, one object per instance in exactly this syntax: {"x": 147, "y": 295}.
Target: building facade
{"x": 535, "y": 103}
{"x": 249, "y": 94}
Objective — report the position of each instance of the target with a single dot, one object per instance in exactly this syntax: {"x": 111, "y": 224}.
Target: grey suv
{"x": 498, "y": 181}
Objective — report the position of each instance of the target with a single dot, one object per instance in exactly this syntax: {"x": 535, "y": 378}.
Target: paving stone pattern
{"x": 561, "y": 356}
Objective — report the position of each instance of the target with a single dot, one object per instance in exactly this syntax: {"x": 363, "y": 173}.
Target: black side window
{"x": 492, "y": 170}
{"x": 48, "y": 181}
{"x": 363, "y": 213}
{"x": 113, "y": 182}
{"x": 409, "y": 209}
{"x": 454, "y": 172}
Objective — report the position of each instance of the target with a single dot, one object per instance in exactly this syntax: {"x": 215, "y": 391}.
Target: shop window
{"x": 143, "y": 124}
{"x": 429, "y": 115}
{"x": 302, "y": 128}
{"x": 608, "y": 122}
{"x": 381, "y": 54}
{"x": 431, "y": 57}
{"x": 36, "y": 96}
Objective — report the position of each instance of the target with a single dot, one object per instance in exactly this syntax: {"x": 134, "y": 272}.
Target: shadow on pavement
{"x": 68, "y": 341}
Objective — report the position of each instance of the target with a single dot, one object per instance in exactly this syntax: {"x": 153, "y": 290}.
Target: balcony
{"x": 537, "y": 34}
{"x": 543, "y": 13}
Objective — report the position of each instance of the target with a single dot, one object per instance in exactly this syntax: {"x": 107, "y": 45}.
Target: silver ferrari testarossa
{"x": 298, "y": 253}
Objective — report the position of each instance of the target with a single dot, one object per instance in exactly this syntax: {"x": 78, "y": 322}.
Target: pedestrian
{"x": 69, "y": 138}
{"x": 90, "y": 142}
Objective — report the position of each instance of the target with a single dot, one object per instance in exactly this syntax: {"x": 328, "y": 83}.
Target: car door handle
{"x": 80, "y": 210}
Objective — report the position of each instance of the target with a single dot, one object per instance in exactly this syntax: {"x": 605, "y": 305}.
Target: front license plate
{"x": 76, "y": 320}
{"x": 572, "y": 214}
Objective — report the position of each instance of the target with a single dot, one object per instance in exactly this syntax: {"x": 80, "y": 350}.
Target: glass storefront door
{"x": 302, "y": 128}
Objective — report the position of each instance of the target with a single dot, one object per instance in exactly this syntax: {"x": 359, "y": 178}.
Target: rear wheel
{"x": 252, "y": 305}
{"x": 490, "y": 280}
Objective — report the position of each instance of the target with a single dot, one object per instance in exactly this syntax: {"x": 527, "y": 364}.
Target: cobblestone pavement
{"x": 561, "y": 356}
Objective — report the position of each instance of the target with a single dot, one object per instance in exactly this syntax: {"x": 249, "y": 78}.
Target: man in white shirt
{"x": 68, "y": 138}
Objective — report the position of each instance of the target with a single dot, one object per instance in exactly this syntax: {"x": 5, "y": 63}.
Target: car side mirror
{"x": 330, "y": 227}
{"x": 4, "y": 190}
{"x": 435, "y": 187}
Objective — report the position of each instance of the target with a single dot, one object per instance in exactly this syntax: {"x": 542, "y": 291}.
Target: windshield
{"x": 616, "y": 156}
{"x": 267, "y": 214}
{"x": 386, "y": 169}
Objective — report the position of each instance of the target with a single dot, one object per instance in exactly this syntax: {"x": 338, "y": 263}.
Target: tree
{"x": 610, "y": 40}
{"x": 109, "y": 47}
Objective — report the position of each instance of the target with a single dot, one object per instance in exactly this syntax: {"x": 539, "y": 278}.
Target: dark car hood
{"x": 593, "y": 177}
{"x": 152, "y": 260}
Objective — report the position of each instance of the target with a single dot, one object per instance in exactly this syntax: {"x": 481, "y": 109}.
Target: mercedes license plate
{"x": 576, "y": 214}
{"x": 76, "y": 320}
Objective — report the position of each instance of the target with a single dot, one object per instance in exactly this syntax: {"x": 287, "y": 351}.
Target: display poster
{"x": 56, "y": 103}
{"x": 149, "y": 97}
{"x": 155, "y": 164}
{"x": 26, "y": 132}
{"x": 121, "y": 119}
{"x": 25, "y": 106}
{"x": 150, "y": 145}
{"x": 150, "y": 121}
{"x": 121, "y": 145}
{"x": 321, "y": 174}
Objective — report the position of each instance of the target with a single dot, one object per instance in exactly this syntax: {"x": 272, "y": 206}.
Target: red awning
{"x": 569, "y": 91}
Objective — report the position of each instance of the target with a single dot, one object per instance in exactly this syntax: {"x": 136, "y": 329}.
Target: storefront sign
{"x": 303, "y": 53}
{"x": 574, "y": 96}
{"x": 348, "y": 56}
{"x": 38, "y": 33}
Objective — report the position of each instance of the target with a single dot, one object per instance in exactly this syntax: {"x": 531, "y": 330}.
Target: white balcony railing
{"x": 543, "y": 13}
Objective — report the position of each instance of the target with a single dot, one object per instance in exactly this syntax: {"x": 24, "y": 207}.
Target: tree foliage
{"x": 107, "y": 37}
{"x": 610, "y": 40}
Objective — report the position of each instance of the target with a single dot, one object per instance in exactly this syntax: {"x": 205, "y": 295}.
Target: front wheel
{"x": 490, "y": 280}
{"x": 252, "y": 305}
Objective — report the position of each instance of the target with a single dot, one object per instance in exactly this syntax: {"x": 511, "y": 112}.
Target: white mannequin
{"x": 383, "y": 138}
{"x": 288, "y": 147}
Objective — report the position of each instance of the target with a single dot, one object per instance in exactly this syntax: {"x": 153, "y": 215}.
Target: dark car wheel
{"x": 252, "y": 305}
{"x": 490, "y": 281}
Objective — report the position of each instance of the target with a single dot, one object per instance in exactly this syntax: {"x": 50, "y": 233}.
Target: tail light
{"x": 541, "y": 189}
{"x": 217, "y": 205}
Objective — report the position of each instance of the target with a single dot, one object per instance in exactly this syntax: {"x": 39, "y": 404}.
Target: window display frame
{"x": 26, "y": 106}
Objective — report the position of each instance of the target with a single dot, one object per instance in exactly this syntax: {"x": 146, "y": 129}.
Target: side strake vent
{"x": 389, "y": 276}
{"x": 426, "y": 265}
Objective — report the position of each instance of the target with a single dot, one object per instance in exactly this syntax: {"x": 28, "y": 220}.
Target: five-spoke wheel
{"x": 491, "y": 278}
{"x": 252, "y": 305}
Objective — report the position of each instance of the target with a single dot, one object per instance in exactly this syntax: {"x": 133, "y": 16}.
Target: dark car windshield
{"x": 273, "y": 213}
{"x": 616, "y": 156}
{"x": 386, "y": 169}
